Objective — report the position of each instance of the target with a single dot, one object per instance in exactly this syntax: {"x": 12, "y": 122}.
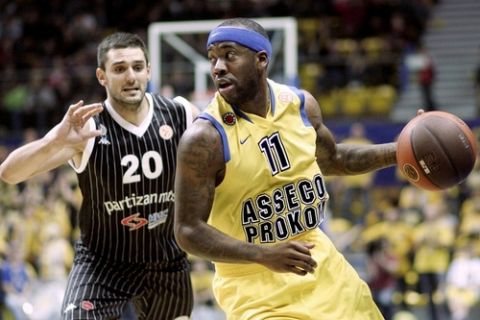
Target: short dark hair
{"x": 247, "y": 24}
{"x": 119, "y": 40}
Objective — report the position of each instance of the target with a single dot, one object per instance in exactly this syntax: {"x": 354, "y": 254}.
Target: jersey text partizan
{"x": 126, "y": 178}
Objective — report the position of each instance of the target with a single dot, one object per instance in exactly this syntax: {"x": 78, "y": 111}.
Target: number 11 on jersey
{"x": 274, "y": 152}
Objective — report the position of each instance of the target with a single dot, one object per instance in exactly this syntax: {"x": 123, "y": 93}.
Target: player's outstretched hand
{"x": 72, "y": 129}
{"x": 292, "y": 256}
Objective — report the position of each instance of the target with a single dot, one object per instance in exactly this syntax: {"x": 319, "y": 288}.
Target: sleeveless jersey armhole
{"x": 221, "y": 131}
{"x": 188, "y": 108}
{"x": 303, "y": 112}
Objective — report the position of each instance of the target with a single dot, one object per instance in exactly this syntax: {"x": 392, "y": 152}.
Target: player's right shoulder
{"x": 202, "y": 144}
{"x": 203, "y": 128}
{"x": 203, "y": 133}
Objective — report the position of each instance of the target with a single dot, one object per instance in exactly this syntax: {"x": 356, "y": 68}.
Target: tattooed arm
{"x": 200, "y": 168}
{"x": 346, "y": 159}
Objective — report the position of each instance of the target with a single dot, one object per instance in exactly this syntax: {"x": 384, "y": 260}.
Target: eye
{"x": 138, "y": 68}
{"x": 212, "y": 59}
{"x": 230, "y": 55}
{"x": 118, "y": 69}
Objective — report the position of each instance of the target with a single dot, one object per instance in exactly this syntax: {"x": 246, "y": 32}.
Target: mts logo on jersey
{"x": 286, "y": 212}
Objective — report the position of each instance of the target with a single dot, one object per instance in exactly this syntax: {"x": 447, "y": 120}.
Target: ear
{"x": 148, "y": 71}
{"x": 262, "y": 59}
{"x": 102, "y": 79}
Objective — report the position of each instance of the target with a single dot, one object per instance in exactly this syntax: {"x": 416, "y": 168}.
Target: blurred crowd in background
{"x": 419, "y": 251}
{"x": 48, "y": 48}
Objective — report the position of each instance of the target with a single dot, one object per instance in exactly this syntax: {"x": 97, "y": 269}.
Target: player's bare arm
{"x": 346, "y": 159}
{"x": 62, "y": 143}
{"x": 200, "y": 168}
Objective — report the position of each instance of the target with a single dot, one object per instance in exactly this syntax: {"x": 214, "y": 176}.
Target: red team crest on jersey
{"x": 87, "y": 305}
{"x": 229, "y": 118}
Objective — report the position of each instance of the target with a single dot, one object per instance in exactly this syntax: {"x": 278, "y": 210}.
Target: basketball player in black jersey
{"x": 124, "y": 158}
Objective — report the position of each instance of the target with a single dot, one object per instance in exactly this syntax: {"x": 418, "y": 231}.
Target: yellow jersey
{"x": 273, "y": 189}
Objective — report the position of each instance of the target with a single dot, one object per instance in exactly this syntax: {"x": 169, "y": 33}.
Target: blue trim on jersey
{"x": 240, "y": 113}
{"x": 303, "y": 112}
{"x": 221, "y": 131}
{"x": 272, "y": 99}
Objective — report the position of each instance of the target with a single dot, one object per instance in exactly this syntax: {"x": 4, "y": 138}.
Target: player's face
{"x": 125, "y": 76}
{"x": 235, "y": 72}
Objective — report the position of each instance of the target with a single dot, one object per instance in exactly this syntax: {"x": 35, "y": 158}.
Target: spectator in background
{"x": 395, "y": 232}
{"x": 382, "y": 267}
{"x": 477, "y": 79}
{"x": 426, "y": 79}
{"x": 15, "y": 281}
{"x": 477, "y": 84}
{"x": 469, "y": 224}
{"x": 463, "y": 282}
{"x": 205, "y": 306}
{"x": 433, "y": 241}
{"x": 355, "y": 202}
{"x": 56, "y": 255}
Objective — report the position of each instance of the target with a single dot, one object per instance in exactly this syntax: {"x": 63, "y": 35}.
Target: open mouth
{"x": 131, "y": 90}
{"x": 224, "y": 85}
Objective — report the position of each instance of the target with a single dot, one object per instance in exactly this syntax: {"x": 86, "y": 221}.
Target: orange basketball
{"x": 436, "y": 150}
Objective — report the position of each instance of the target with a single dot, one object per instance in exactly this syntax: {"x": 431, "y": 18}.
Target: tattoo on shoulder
{"x": 203, "y": 152}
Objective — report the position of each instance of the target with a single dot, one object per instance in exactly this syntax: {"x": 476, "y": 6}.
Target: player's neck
{"x": 135, "y": 114}
{"x": 260, "y": 104}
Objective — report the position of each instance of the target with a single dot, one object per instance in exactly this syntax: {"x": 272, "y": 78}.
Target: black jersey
{"x": 127, "y": 180}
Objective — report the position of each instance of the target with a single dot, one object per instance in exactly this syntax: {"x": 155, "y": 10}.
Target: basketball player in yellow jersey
{"x": 250, "y": 191}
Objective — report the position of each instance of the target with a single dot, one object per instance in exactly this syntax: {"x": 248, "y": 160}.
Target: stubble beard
{"x": 128, "y": 104}
{"x": 245, "y": 92}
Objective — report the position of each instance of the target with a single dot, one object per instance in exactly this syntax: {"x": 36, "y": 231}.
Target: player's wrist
{"x": 256, "y": 254}
{"x": 54, "y": 139}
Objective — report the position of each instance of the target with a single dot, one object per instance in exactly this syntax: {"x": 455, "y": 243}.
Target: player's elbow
{"x": 184, "y": 235}
{"x": 8, "y": 177}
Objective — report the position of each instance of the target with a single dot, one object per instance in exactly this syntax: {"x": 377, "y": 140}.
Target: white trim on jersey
{"x": 86, "y": 152}
{"x": 188, "y": 107}
{"x": 142, "y": 128}
{"x": 138, "y": 131}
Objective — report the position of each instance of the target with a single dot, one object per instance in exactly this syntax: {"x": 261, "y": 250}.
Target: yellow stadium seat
{"x": 381, "y": 99}
{"x": 346, "y": 46}
{"x": 353, "y": 101}
{"x": 373, "y": 46}
{"x": 328, "y": 102}
{"x": 309, "y": 74}
{"x": 308, "y": 27}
